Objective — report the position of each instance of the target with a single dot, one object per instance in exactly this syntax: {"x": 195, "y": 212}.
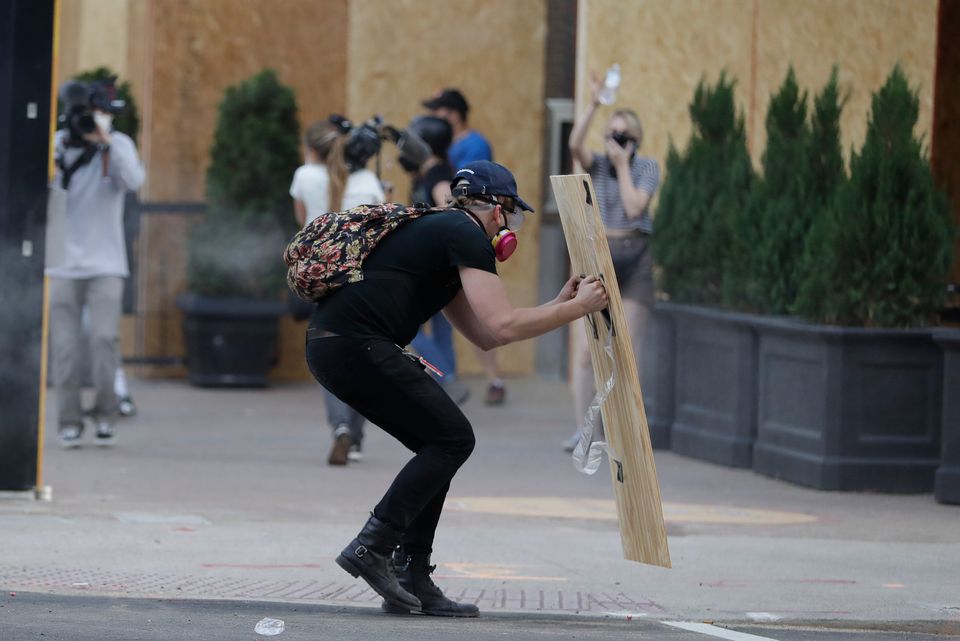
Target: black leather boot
{"x": 368, "y": 557}
{"x": 413, "y": 572}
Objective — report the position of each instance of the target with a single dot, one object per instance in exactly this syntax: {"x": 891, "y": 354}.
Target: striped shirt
{"x": 645, "y": 175}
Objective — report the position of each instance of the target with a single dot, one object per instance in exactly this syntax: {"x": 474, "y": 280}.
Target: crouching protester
{"x": 443, "y": 260}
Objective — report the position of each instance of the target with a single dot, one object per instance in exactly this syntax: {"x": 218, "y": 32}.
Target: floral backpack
{"x": 329, "y": 252}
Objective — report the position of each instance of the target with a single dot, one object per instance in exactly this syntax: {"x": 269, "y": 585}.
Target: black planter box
{"x": 848, "y": 408}
{"x": 947, "y": 483}
{"x": 715, "y": 385}
{"x": 230, "y": 342}
{"x": 657, "y": 378}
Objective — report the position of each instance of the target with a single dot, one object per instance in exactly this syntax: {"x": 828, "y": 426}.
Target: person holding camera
{"x": 334, "y": 178}
{"x": 625, "y": 183}
{"x": 431, "y": 187}
{"x": 443, "y": 260}
{"x": 96, "y": 167}
{"x": 468, "y": 145}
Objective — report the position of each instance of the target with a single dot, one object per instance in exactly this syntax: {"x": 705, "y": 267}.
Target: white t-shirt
{"x": 311, "y": 184}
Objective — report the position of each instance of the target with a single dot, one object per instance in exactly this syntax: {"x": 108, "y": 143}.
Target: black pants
{"x": 393, "y": 392}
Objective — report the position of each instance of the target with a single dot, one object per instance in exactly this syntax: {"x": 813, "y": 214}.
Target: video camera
{"x": 365, "y": 142}
{"x": 80, "y": 99}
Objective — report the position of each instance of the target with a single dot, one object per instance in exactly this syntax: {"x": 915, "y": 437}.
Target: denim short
{"x": 633, "y": 263}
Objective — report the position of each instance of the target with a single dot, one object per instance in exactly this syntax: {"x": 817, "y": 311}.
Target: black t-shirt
{"x": 409, "y": 276}
{"x": 422, "y": 191}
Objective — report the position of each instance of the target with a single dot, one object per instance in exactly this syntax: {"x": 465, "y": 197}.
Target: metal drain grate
{"x": 231, "y": 587}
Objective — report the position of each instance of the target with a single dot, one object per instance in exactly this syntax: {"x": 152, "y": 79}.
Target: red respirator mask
{"x": 504, "y": 243}
{"x": 505, "y": 240}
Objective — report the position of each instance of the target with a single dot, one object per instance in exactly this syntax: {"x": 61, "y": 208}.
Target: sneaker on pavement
{"x": 106, "y": 435}
{"x": 496, "y": 393}
{"x": 126, "y": 406}
{"x": 355, "y": 453}
{"x": 341, "y": 446}
{"x": 70, "y": 435}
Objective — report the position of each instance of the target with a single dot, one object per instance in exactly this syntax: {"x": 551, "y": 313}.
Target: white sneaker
{"x": 126, "y": 406}
{"x": 355, "y": 454}
{"x": 106, "y": 436}
{"x": 70, "y": 435}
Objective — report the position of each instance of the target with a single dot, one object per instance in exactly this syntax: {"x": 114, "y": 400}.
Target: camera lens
{"x": 86, "y": 123}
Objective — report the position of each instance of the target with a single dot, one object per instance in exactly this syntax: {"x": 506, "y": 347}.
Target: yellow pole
{"x": 39, "y": 489}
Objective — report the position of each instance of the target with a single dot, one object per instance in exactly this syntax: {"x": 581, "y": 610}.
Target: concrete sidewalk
{"x": 219, "y": 494}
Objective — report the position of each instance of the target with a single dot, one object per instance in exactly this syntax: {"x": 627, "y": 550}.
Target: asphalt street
{"x": 216, "y": 508}
{"x": 43, "y": 617}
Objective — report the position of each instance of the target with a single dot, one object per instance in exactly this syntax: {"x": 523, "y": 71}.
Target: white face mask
{"x": 104, "y": 120}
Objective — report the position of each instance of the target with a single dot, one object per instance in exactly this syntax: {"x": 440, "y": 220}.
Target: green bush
{"x": 128, "y": 121}
{"x": 880, "y": 254}
{"x": 704, "y": 188}
{"x": 802, "y": 166}
{"x": 236, "y": 249}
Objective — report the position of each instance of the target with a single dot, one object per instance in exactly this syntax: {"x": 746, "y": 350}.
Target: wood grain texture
{"x": 636, "y": 489}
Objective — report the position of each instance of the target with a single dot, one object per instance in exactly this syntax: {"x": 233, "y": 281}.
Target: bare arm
{"x": 461, "y": 316}
{"x": 299, "y": 212}
{"x": 497, "y": 322}
{"x": 579, "y": 132}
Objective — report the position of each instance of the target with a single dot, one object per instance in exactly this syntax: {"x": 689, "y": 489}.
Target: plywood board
{"x": 635, "y": 486}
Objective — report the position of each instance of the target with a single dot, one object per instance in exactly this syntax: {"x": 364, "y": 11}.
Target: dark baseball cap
{"x": 449, "y": 98}
{"x": 486, "y": 178}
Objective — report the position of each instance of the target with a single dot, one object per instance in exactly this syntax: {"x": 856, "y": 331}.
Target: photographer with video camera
{"x": 334, "y": 178}
{"x": 96, "y": 167}
{"x": 625, "y": 183}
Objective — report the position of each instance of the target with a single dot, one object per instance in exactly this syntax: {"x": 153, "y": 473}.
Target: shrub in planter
{"x": 769, "y": 233}
{"x": 880, "y": 255}
{"x": 705, "y": 186}
{"x": 235, "y": 251}
{"x": 859, "y": 407}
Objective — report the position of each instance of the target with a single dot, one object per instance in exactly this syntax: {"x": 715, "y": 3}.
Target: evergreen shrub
{"x": 236, "y": 250}
{"x": 879, "y": 256}
{"x": 802, "y": 167}
{"x": 705, "y": 186}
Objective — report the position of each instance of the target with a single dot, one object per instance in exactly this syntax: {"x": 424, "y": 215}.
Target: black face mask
{"x": 408, "y": 165}
{"x": 623, "y": 139}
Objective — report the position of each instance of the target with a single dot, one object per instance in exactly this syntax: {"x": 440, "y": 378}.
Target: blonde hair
{"x": 327, "y": 140}
{"x": 634, "y": 127}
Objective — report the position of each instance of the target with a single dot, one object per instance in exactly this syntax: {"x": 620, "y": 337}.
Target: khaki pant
{"x": 103, "y": 297}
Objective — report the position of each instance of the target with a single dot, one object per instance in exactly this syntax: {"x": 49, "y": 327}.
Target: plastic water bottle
{"x": 269, "y": 627}
{"x": 611, "y": 82}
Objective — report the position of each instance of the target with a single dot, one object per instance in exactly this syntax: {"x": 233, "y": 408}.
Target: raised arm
{"x": 579, "y": 132}
{"x": 125, "y": 165}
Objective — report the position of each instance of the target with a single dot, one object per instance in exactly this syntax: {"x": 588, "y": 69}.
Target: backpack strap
{"x": 89, "y": 152}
